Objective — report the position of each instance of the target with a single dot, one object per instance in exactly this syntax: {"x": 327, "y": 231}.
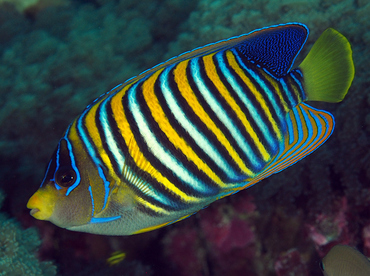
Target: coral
{"x": 329, "y": 228}
{"x": 18, "y": 250}
{"x": 183, "y": 248}
{"x": 223, "y": 242}
{"x": 290, "y": 263}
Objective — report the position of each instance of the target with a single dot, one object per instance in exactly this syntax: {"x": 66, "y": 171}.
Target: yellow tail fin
{"x": 328, "y": 69}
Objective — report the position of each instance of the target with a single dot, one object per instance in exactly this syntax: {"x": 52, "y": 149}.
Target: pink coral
{"x": 290, "y": 263}
{"x": 330, "y": 229}
{"x": 224, "y": 240}
{"x": 183, "y": 251}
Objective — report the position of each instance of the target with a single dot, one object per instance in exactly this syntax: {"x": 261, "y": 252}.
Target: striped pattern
{"x": 189, "y": 132}
{"x": 302, "y": 140}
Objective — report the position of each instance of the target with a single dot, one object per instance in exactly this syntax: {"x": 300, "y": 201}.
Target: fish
{"x": 199, "y": 127}
{"x": 116, "y": 258}
{"x": 343, "y": 260}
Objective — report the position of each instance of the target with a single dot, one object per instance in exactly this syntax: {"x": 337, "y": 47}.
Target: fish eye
{"x": 321, "y": 264}
{"x": 65, "y": 177}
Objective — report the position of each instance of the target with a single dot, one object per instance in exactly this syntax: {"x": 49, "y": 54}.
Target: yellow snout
{"x": 42, "y": 204}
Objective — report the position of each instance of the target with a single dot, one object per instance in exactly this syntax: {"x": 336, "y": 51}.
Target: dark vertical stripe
{"x": 231, "y": 114}
{"x": 243, "y": 108}
{"x": 154, "y": 161}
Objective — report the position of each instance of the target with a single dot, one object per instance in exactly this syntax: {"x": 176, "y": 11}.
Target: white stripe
{"x": 243, "y": 97}
{"x": 162, "y": 154}
{"x": 264, "y": 87}
{"x": 192, "y": 130}
{"x": 109, "y": 139}
{"x": 131, "y": 176}
{"x": 222, "y": 115}
{"x": 291, "y": 103}
{"x": 301, "y": 90}
{"x": 85, "y": 140}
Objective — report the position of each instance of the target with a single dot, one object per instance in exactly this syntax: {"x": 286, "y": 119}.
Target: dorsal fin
{"x": 274, "y": 48}
{"x": 308, "y": 128}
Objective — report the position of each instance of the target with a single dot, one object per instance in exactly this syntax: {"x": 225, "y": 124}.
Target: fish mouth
{"x": 34, "y": 211}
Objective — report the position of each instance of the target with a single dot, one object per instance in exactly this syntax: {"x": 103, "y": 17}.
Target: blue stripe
{"x": 158, "y": 150}
{"x": 326, "y": 121}
{"x": 264, "y": 88}
{"x": 227, "y": 46}
{"x": 301, "y": 90}
{"x": 144, "y": 186}
{"x": 47, "y": 170}
{"x": 299, "y": 72}
{"x": 106, "y": 186}
{"x": 196, "y": 134}
{"x": 92, "y": 202}
{"x": 89, "y": 146}
{"x": 309, "y": 128}
{"x": 103, "y": 220}
{"x": 222, "y": 116}
{"x": 291, "y": 131}
{"x": 288, "y": 93}
{"x": 116, "y": 152}
{"x": 73, "y": 163}
{"x": 299, "y": 125}
{"x": 99, "y": 220}
{"x": 243, "y": 97}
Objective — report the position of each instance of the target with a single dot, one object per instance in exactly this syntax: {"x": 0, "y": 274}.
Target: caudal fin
{"x": 328, "y": 69}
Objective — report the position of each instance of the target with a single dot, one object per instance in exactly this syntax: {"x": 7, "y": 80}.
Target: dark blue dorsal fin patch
{"x": 256, "y": 46}
{"x": 275, "y": 48}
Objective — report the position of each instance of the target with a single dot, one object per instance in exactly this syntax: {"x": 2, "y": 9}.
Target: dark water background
{"x": 55, "y": 58}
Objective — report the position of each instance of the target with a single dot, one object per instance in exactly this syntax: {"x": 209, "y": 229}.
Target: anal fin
{"x": 308, "y": 128}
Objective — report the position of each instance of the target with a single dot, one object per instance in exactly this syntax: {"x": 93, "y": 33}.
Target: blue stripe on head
{"x": 92, "y": 202}
{"x": 103, "y": 220}
{"x": 72, "y": 163}
{"x": 74, "y": 167}
{"x": 106, "y": 185}
{"x": 46, "y": 173}
{"x": 98, "y": 220}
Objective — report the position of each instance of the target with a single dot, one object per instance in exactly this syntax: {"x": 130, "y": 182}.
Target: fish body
{"x": 343, "y": 260}
{"x": 192, "y": 130}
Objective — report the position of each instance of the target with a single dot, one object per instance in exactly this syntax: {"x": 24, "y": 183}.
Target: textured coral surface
{"x": 18, "y": 248}
{"x": 55, "y": 59}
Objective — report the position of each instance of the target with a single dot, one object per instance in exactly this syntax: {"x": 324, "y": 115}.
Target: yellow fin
{"x": 328, "y": 69}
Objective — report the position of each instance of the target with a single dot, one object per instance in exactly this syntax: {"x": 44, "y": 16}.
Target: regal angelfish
{"x": 194, "y": 129}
